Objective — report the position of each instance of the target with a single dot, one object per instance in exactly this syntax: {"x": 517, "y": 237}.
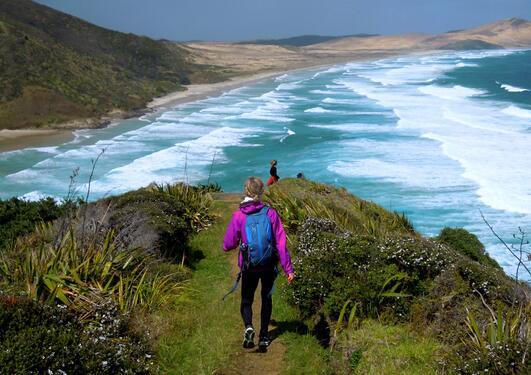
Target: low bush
{"x": 38, "y": 339}
{"x": 151, "y": 219}
{"x": 196, "y": 201}
{"x": 333, "y": 267}
{"x": 81, "y": 275}
{"x": 500, "y": 346}
{"x": 19, "y": 217}
{"x": 467, "y": 244}
{"x": 90, "y": 276}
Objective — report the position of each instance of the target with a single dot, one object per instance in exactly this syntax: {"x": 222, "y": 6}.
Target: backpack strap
{"x": 234, "y": 287}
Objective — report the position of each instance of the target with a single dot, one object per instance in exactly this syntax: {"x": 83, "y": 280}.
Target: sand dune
{"x": 252, "y": 58}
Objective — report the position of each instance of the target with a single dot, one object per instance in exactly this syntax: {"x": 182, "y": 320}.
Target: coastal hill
{"x": 55, "y": 68}
{"x": 303, "y": 40}
{"x": 512, "y": 33}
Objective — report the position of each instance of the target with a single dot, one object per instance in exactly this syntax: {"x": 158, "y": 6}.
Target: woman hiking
{"x": 273, "y": 173}
{"x": 258, "y": 231}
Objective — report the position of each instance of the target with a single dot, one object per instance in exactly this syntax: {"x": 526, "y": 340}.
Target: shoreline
{"x": 18, "y": 139}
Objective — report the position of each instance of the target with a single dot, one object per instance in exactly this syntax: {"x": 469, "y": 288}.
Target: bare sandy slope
{"x": 22, "y": 138}
{"x": 513, "y": 33}
{"x": 245, "y": 64}
{"x": 246, "y": 59}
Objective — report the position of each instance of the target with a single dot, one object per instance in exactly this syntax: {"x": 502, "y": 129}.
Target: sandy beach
{"x": 201, "y": 91}
{"x": 23, "y": 138}
{"x": 248, "y": 65}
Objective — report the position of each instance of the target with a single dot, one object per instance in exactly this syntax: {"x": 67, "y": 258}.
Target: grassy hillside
{"x": 137, "y": 279}
{"x": 55, "y": 67}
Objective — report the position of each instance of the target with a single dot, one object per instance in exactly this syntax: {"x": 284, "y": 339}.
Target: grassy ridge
{"x": 371, "y": 296}
{"x": 55, "y": 67}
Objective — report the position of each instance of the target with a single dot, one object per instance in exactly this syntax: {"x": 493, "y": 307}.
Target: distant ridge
{"x": 56, "y": 68}
{"x": 510, "y": 33}
{"x": 303, "y": 40}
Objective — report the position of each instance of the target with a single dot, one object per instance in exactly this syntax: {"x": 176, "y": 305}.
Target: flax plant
{"x": 81, "y": 277}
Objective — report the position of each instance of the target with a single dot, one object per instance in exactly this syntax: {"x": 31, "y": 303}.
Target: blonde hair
{"x": 273, "y": 162}
{"x": 253, "y": 188}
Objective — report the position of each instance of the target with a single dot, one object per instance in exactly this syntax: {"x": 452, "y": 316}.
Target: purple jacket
{"x": 236, "y": 233}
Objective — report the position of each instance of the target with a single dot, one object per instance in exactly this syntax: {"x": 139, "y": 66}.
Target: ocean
{"x": 441, "y": 137}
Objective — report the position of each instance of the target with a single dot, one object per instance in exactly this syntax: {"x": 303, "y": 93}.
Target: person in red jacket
{"x": 273, "y": 173}
{"x": 236, "y": 236}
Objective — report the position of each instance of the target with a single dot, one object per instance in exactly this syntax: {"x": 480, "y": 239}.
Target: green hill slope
{"x": 55, "y": 67}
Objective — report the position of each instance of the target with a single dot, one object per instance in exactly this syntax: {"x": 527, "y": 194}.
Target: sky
{"x": 232, "y": 20}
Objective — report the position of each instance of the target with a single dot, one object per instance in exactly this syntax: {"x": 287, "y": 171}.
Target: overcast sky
{"x": 254, "y": 19}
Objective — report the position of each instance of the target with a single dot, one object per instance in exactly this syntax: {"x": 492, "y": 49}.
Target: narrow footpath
{"x": 205, "y": 336}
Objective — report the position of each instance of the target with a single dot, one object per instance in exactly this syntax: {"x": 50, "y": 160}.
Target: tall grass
{"x": 197, "y": 202}
{"x": 321, "y": 201}
{"x": 83, "y": 276}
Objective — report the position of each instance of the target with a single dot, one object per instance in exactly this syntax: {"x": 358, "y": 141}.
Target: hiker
{"x": 273, "y": 172}
{"x": 258, "y": 231}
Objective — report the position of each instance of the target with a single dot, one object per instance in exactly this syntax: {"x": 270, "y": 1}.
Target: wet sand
{"x": 23, "y": 138}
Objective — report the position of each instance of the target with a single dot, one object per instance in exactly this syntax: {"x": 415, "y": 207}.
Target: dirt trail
{"x": 251, "y": 361}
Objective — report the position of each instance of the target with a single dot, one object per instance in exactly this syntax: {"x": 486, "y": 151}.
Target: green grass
{"x": 393, "y": 349}
{"x": 304, "y": 354}
{"x": 296, "y": 199}
{"x": 202, "y": 330}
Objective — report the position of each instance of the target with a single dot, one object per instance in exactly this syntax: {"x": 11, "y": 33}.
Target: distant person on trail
{"x": 258, "y": 231}
{"x": 273, "y": 172}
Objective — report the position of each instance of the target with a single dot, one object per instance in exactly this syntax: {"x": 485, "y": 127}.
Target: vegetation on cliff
{"x": 446, "y": 290}
{"x": 74, "y": 292}
{"x": 55, "y": 67}
{"x": 130, "y": 279}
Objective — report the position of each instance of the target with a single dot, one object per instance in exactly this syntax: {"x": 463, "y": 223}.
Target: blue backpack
{"x": 259, "y": 249}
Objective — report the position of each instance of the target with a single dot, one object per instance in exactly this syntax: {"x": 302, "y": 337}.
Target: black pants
{"x": 249, "y": 285}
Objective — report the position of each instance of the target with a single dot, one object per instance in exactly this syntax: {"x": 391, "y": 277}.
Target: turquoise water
{"x": 436, "y": 136}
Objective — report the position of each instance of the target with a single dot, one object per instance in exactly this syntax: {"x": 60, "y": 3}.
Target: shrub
{"x": 335, "y": 267}
{"x": 37, "y": 339}
{"x": 416, "y": 255}
{"x": 19, "y": 217}
{"x": 500, "y": 346}
{"x": 158, "y": 218}
{"x": 151, "y": 219}
{"x": 467, "y": 244}
{"x": 80, "y": 275}
{"x": 195, "y": 200}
